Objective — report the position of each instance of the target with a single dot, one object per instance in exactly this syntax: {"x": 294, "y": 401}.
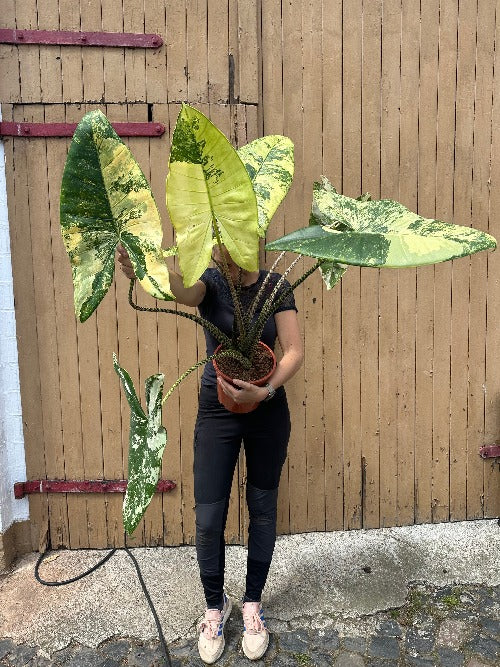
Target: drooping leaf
{"x": 269, "y": 163}
{"x": 106, "y": 200}
{"x": 378, "y": 233}
{"x": 146, "y": 445}
{"x": 208, "y": 182}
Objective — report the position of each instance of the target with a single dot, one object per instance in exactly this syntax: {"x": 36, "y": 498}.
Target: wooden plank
{"x": 218, "y": 50}
{"x": 156, "y": 59}
{"x": 197, "y": 57}
{"x": 10, "y": 90}
{"x": 71, "y": 59}
{"x": 464, "y": 133}
{"x": 50, "y": 57}
{"x": 176, "y": 45}
{"x": 92, "y": 58}
{"x": 234, "y": 50}
{"x": 113, "y": 59}
{"x": 167, "y": 344}
{"x": 485, "y": 52}
{"x": 65, "y": 326}
{"x": 351, "y": 370}
{"x": 332, "y": 103}
{"x": 368, "y": 324}
{"x": 443, "y": 272}
{"x": 408, "y": 188}
{"x": 248, "y": 45}
{"x": 17, "y": 155}
{"x": 391, "y": 37}
{"x": 314, "y": 364}
{"x": 135, "y": 59}
{"x": 43, "y": 282}
{"x": 492, "y": 408}
{"x": 293, "y": 205}
{"x": 147, "y": 334}
{"x": 29, "y": 55}
{"x": 93, "y": 468}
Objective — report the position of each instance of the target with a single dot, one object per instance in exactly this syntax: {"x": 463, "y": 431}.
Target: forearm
{"x": 285, "y": 369}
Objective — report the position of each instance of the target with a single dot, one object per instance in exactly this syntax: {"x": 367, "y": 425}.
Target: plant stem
{"x": 222, "y": 353}
{"x": 255, "y": 302}
{"x": 215, "y": 331}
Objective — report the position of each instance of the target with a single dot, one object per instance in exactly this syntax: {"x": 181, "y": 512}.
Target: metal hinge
{"x": 10, "y": 129}
{"x": 489, "y": 452}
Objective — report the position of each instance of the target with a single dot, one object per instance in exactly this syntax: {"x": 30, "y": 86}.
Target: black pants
{"x": 217, "y": 440}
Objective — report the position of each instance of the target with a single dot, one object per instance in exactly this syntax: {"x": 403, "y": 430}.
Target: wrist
{"x": 270, "y": 392}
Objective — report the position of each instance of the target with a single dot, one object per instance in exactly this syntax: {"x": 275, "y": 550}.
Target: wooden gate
{"x": 400, "y": 388}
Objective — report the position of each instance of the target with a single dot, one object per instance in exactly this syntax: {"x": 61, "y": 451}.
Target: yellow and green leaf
{"x": 208, "y": 184}
{"x": 106, "y": 200}
{"x": 146, "y": 446}
{"x": 380, "y": 233}
{"x": 269, "y": 163}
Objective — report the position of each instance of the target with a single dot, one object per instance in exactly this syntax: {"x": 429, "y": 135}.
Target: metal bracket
{"x": 71, "y": 38}
{"x": 81, "y": 486}
{"x": 10, "y": 129}
{"x": 489, "y": 452}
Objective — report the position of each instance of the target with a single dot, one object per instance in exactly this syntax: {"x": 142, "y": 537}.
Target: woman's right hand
{"x": 126, "y": 264}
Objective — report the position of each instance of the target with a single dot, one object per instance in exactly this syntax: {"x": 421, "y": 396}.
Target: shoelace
{"x": 253, "y": 622}
{"x": 211, "y": 623}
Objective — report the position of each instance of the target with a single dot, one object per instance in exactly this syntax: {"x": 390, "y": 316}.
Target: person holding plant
{"x": 217, "y": 440}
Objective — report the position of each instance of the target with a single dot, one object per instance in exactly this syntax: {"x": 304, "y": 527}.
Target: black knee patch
{"x": 210, "y": 516}
{"x": 209, "y": 528}
{"x": 262, "y": 504}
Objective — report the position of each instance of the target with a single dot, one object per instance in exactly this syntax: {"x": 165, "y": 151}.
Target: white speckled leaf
{"x": 269, "y": 163}
{"x": 146, "y": 445}
{"x": 378, "y": 233}
{"x": 207, "y": 181}
{"x": 106, "y": 200}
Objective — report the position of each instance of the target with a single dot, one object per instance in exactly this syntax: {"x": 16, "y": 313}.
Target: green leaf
{"x": 378, "y": 233}
{"x": 208, "y": 182}
{"x": 269, "y": 163}
{"x": 106, "y": 200}
{"x": 146, "y": 445}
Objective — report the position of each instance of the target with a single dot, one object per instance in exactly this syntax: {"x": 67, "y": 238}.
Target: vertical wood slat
{"x": 332, "y": 104}
{"x": 293, "y": 128}
{"x": 370, "y": 182}
{"x": 313, "y": 293}
{"x": 113, "y": 59}
{"x": 485, "y": 51}
{"x": 10, "y": 90}
{"x": 463, "y": 184}
{"x": 16, "y": 155}
{"x": 71, "y": 61}
{"x": 29, "y": 63}
{"x": 492, "y": 408}
{"x": 350, "y": 286}
{"x": 390, "y": 99}
{"x": 51, "y": 85}
{"x": 43, "y": 283}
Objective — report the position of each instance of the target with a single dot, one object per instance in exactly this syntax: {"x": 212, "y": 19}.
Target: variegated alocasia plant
{"x": 217, "y": 195}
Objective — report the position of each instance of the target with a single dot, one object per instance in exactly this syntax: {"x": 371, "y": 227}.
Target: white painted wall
{"x": 12, "y": 462}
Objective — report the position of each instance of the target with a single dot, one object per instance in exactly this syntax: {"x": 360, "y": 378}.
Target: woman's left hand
{"x": 247, "y": 392}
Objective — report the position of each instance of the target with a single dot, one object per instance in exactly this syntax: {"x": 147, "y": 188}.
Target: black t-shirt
{"x": 217, "y": 307}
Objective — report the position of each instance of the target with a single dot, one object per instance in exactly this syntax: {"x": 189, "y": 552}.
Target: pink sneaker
{"x": 211, "y": 638}
{"x": 255, "y": 634}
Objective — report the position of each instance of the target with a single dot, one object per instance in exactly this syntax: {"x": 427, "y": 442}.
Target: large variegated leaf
{"x": 378, "y": 233}
{"x": 106, "y": 200}
{"x": 269, "y": 163}
{"x": 146, "y": 445}
{"x": 208, "y": 182}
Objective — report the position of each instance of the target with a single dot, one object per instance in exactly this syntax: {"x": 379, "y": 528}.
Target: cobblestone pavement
{"x": 448, "y": 627}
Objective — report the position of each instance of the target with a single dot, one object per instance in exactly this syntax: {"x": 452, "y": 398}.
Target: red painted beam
{"x": 71, "y": 38}
{"x": 81, "y": 486}
{"x": 10, "y": 129}
{"x": 490, "y": 451}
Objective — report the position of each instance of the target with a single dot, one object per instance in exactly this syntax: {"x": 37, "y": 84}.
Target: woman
{"x": 217, "y": 440}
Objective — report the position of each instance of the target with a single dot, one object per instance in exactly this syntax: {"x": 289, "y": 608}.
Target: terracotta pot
{"x": 226, "y": 400}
